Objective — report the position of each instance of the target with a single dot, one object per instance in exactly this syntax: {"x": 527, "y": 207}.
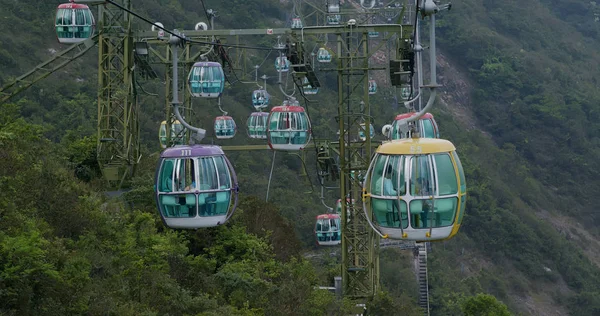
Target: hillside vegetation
{"x": 529, "y": 144}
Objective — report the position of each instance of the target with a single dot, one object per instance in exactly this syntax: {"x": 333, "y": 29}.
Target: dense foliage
{"x": 67, "y": 249}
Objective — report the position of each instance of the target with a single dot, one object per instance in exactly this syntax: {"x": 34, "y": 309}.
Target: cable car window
{"x": 165, "y": 179}
{"x": 428, "y": 130}
{"x": 398, "y": 187}
{"x": 88, "y": 17}
{"x": 284, "y": 121}
{"x": 224, "y": 178}
{"x": 461, "y": 173}
{"x": 442, "y": 215}
{"x": 326, "y": 225}
{"x": 387, "y": 212}
{"x": 377, "y": 178}
{"x": 333, "y": 224}
{"x": 79, "y": 17}
{"x": 421, "y": 213}
{"x": 59, "y": 17}
{"x": 179, "y": 205}
{"x": 207, "y": 174}
{"x": 446, "y": 174}
{"x": 274, "y": 120}
{"x": 67, "y": 17}
{"x": 184, "y": 177}
{"x": 421, "y": 181}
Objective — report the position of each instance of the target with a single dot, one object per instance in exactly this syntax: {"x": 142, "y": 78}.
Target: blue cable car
{"x": 372, "y": 86}
{"x": 296, "y": 23}
{"x": 323, "y": 55}
{"x": 328, "y": 230}
{"x": 373, "y": 34}
{"x": 260, "y": 99}
{"x": 289, "y": 127}
{"x": 308, "y": 89}
{"x": 361, "y": 132}
{"x": 195, "y": 187}
{"x": 405, "y": 92}
{"x": 333, "y": 18}
{"x": 225, "y": 127}
{"x": 206, "y": 79}
{"x": 257, "y": 125}
{"x": 415, "y": 190}
{"x": 74, "y": 23}
{"x": 282, "y": 64}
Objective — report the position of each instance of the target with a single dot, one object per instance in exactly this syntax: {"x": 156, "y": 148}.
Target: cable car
{"x": 224, "y": 127}
{"x": 308, "y": 89}
{"x": 328, "y": 230}
{"x": 74, "y": 23}
{"x": 195, "y": 187}
{"x": 427, "y": 126}
{"x": 206, "y": 79}
{"x": 415, "y": 190}
{"x": 323, "y": 55}
{"x": 177, "y": 134}
{"x": 282, "y": 64}
{"x": 372, "y": 86}
{"x": 405, "y": 92}
{"x": 296, "y": 23}
{"x": 257, "y": 125}
{"x": 338, "y": 205}
{"x": 289, "y": 127}
{"x": 373, "y": 34}
{"x": 260, "y": 99}
{"x": 361, "y": 132}
{"x": 332, "y": 18}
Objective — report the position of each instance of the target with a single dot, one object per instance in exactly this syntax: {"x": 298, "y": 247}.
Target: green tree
{"x": 484, "y": 305}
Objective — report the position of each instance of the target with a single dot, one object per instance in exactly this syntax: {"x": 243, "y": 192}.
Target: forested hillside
{"x": 520, "y": 103}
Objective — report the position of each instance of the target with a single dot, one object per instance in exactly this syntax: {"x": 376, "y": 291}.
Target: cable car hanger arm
{"x": 429, "y": 8}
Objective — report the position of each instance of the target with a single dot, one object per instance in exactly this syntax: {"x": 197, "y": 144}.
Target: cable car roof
{"x": 410, "y": 146}
{"x": 73, "y": 6}
{"x": 193, "y": 151}
{"x": 206, "y": 64}
{"x": 328, "y": 216}
{"x": 259, "y": 114}
{"x": 223, "y": 117}
{"x": 287, "y": 108}
{"x": 411, "y": 114}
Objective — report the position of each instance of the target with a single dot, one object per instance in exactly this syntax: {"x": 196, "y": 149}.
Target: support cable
{"x": 183, "y": 37}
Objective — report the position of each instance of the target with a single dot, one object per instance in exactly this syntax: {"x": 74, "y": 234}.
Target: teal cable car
{"x": 361, "y": 131}
{"x": 74, "y": 23}
{"x": 323, "y": 55}
{"x": 296, "y": 23}
{"x": 282, "y": 64}
{"x": 195, "y": 187}
{"x": 225, "y": 127}
{"x": 307, "y": 88}
{"x": 328, "y": 230}
{"x": 372, "y": 86}
{"x": 257, "y": 125}
{"x": 206, "y": 80}
{"x": 260, "y": 99}
{"x": 289, "y": 127}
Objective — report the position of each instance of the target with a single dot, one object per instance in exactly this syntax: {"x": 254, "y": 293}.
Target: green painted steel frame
{"x": 118, "y": 130}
